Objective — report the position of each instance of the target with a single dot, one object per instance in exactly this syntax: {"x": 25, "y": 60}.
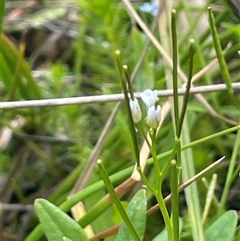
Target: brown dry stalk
{"x": 108, "y": 98}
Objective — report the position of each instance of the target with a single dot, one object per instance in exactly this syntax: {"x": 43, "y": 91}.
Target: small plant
{"x": 175, "y": 121}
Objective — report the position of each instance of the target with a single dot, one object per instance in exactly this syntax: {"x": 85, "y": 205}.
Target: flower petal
{"x": 149, "y": 97}
{"x": 136, "y": 110}
{"x": 154, "y": 116}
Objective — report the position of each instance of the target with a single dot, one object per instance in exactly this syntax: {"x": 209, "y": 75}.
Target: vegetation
{"x": 77, "y": 163}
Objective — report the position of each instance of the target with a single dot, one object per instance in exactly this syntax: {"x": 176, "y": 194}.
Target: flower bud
{"x": 136, "y": 110}
{"x": 154, "y": 116}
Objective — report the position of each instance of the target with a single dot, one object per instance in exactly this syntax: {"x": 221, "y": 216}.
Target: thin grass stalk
{"x": 210, "y": 137}
{"x": 206, "y": 184}
{"x": 174, "y": 178}
{"x": 175, "y": 164}
{"x": 116, "y": 200}
{"x": 122, "y": 74}
{"x": 158, "y": 191}
{"x": 222, "y": 63}
{"x": 191, "y": 193}
{"x": 176, "y": 173}
{"x": 230, "y": 173}
{"x": 200, "y": 58}
{"x": 125, "y": 78}
{"x": 82, "y": 181}
{"x": 175, "y": 69}
{"x": 209, "y": 198}
{"x": 158, "y": 172}
{"x": 185, "y": 99}
{"x": 205, "y": 34}
{"x": 145, "y": 136}
{"x": 37, "y": 233}
{"x": 187, "y": 183}
{"x": 127, "y": 171}
{"x": 164, "y": 211}
{"x": 172, "y": 154}
{"x": 109, "y": 97}
{"x": 150, "y": 161}
{"x": 132, "y": 126}
{"x": 114, "y": 229}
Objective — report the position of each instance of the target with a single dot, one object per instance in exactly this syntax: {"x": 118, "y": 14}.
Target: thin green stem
{"x": 167, "y": 220}
{"x": 37, "y": 232}
{"x": 174, "y": 183}
{"x": 222, "y": 63}
{"x": 122, "y": 70}
{"x": 171, "y": 156}
{"x": 192, "y": 144}
{"x": 210, "y": 137}
{"x": 203, "y": 36}
{"x": 145, "y": 180}
{"x": 186, "y": 95}
{"x": 153, "y": 133}
{"x": 175, "y": 68}
{"x": 129, "y": 82}
{"x": 230, "y": 173}
{"x": 116, "y": 200}
{"x": 158, "y": 194}
{"x": 141, "y": 128}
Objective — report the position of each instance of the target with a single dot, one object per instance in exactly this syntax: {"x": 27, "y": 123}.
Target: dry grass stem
{"x": 107, "y": 98}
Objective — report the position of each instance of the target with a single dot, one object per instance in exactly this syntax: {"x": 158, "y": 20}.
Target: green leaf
{"x": 57, "y": 224}
{"x": 137, "y": 214}
{"x": 223, "y": 228}
{"x": 116, "y": 215}
{"x": 163, "y": 236}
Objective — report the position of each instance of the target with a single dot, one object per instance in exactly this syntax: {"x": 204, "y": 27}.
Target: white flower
{"x": 149, "y": 97}
{"x": 136, "y": 110}
{"x": 154, "y": 116}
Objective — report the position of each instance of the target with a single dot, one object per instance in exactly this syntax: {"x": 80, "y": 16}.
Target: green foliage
{"x": 50, "y": 152}
{"x": 57, "y": 224}
{"x": 223, "y": 229}
{"x": 16, "y": 75}
{"x": 136, "y": 211}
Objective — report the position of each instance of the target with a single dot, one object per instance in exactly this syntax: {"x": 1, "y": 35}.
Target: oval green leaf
{"x": 57, "y": 224}
{"x": 223, "y": 229}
